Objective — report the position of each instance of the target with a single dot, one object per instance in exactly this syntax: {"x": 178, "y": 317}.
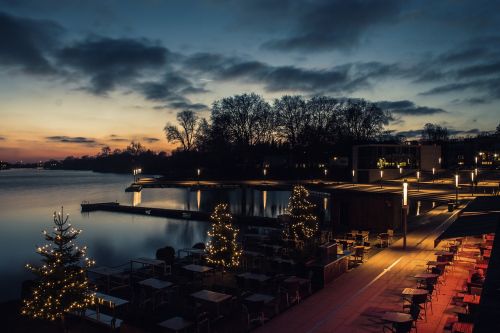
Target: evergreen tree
{"x": 61, "y": 284}
{"x": 303, "y": 224}
{"x": 223, "y": 250}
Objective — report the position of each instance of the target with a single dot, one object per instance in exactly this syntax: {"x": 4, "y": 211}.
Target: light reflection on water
{"x": 29, "y": 197}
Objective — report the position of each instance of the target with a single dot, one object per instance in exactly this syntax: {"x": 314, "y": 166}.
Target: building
{"x": 392, "y": 161}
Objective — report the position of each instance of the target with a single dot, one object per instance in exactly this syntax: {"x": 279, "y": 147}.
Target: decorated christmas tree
{"x": 302, "y": 226}
{"x": 223, "y": 250}
{"x": 61, "y": 283}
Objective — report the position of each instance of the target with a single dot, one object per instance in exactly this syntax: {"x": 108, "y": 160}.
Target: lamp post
{"x": 198, "y": 172}
{"x": 400, "y": 170}
{"x": 456, "y": 189}
{"x": 353, "y": 174}
{"x": 381, "y": 177}
{"x": 472, "y": 182}
{"x": 433, "y": 174}
{"x": 405, "y": 212}
{"x": 418, "y": 181}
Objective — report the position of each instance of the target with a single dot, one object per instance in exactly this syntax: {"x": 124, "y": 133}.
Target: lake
{"x": 28, "y": 197}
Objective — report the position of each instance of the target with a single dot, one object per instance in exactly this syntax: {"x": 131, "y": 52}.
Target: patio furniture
{"x": 159, "y": 287}
{"x": 383, "y": 239}
{"x": 359, "y": 252}
{"x": 195, "y": 253}
{"x": 254, "y": 312}
{"x": 211, "y": 297}
{"x": 176, "y": 324}
{"x": 110, "y": 273}
{"x": 459, "y": 327}
{"x": 390, "y": 233}
{"x": 153, "y": 263}
{"x": 110, "y": 302}
{"x": 197, "y": 268}
{"x": 400, "y": 322}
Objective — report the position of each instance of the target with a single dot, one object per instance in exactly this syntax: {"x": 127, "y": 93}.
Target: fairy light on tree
{"x": 61, "y": 284}
{"x": 303, "y": 224}
{"x": 223, "y": 249}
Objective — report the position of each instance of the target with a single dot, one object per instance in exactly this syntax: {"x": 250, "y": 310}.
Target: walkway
{"x": 349, "y": 303}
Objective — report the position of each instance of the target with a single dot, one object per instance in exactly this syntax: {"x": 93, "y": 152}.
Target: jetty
{"x": 116, "y": 207}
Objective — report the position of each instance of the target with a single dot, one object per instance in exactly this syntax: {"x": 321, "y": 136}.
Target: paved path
{"x": 374, "y": 287}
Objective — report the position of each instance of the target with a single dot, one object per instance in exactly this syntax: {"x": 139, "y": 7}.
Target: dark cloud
{"x": 408, "y": 108}
{"x": 112, "y": 61}
{"x": 342, "y": 78}
{"x": 410, "y": 133}
{"x": 69, "y": 139}
{"x": 334, "y": 24}
{"x": 490, "y": 88}
{"x": 118, "y": 139}
{"x": 2, "y": 138}
{"x": 479, "y": 70}
{"x": 26, "y": 43}
{"x": 150, "y": 140}
{"x": 182, "y": 105}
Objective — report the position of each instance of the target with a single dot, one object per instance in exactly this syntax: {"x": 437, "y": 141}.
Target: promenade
{"x": 355, "y": 301}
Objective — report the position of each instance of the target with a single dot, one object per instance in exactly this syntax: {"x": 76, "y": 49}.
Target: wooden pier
{"x": 176, "y": 214}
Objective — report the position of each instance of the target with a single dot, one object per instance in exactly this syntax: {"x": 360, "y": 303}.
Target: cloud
{"x": 410, "y": 133}
{"x": 182, "y": 105}
{"x": 342, "y": 78}
{"x": 408, "y": 108}
{"x": 334, "y": 24}
{"x": 112, "y": 61}
{"x": 26, "y": 43}
{"x": 150, "y": 140}
{"x": 490, "y": 88}
{"x": 75, "y": 140}
{"x": 2, "y": 138}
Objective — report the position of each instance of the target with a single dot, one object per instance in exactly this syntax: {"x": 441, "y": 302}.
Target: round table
{"x": 397, "y": 317}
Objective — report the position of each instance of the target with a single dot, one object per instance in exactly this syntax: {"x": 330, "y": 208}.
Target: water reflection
{"x": 136, "y": 198}
{"x": 419, "y": 204}
{"x": 198, "y": 199}
{"x": 264, "y": 199}
{"x": 325, "y": 203}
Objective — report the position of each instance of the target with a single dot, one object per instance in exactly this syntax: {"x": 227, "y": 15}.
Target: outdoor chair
{"x": 358, "y": 254}
{"x": 383, "y": 239}
{"x": 254, "y": 312}
{"x": 359, "y": 239}
{"x": 293, "y": 293}
{"x": 199, "y": 246}
{"x": 390, "y": 234}
{"x": 476, "y": 291}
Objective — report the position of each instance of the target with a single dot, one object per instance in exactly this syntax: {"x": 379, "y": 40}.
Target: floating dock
{"x": 175, "y": 213}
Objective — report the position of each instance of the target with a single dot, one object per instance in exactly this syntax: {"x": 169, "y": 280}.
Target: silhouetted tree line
{"x": 291, "y": 137}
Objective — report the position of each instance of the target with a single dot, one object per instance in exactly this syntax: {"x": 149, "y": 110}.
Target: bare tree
{"x": 243, "y": 120}
{"x": 185, "y": 133}
{"x": 292, "y": 118}
{"x": 361, "y": 120}
{"x": 434, "y": 133}
{"x": 135, "y": 148}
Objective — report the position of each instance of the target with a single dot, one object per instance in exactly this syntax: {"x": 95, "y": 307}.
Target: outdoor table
{"x": 254, "y": 276}
{"x": 444, "y": 253}
{"x": 301, "y": 281}
{"x": 211, "y": 297}
{"x": 198, "y": 252}
{"x": 413, "y": 291}
{"x": 176, "y": 324}
{"x": 106, "y": 272}
{"x": 156, "y": 283}
{"x": 197, "y": 268}
{"x": 260, "y": 298}
{"x": 487, "y": 254}
{"x": 442, "y": 264}
{"x": 149, "y": 262}
{"x": 281, "y": 260}
{"x": 472, "y": 299}
{"x": 426, "y": 276}
{"x": 257, "y": 236}
{"x": 463, "y": 327}
{"x": 111, "y": 302}
{"x": 397, "y": 317}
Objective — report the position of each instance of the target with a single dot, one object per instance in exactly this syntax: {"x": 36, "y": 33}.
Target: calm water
{"x": 29, "y": 197}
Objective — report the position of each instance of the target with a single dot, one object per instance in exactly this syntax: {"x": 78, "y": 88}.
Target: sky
{"x": 77, "y": 75}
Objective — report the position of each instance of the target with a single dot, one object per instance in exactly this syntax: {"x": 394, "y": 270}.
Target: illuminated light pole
{"x": 381, "y": 177}
{"x": 353, "y": 174}
{"x": 433, "y": 174}
{"x": 198, "y": 172}
{"x": 400, "y": 170}
{"x": 325, "y": 171}
{"x": 475, "y": 160}
{"x": 472, "y": 182}
{"x": 418, "y": 181}
{"x": 405, "y": 212}
{"x": 456, "y": 189}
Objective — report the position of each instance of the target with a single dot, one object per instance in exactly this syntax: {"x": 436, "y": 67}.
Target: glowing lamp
{"x": 405, "y": 193}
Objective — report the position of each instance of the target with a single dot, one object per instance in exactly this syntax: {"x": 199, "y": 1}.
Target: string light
{"x": 223, "y": 249}
{"x": 303, "y": 224}
{"x": 61, "y": 285}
